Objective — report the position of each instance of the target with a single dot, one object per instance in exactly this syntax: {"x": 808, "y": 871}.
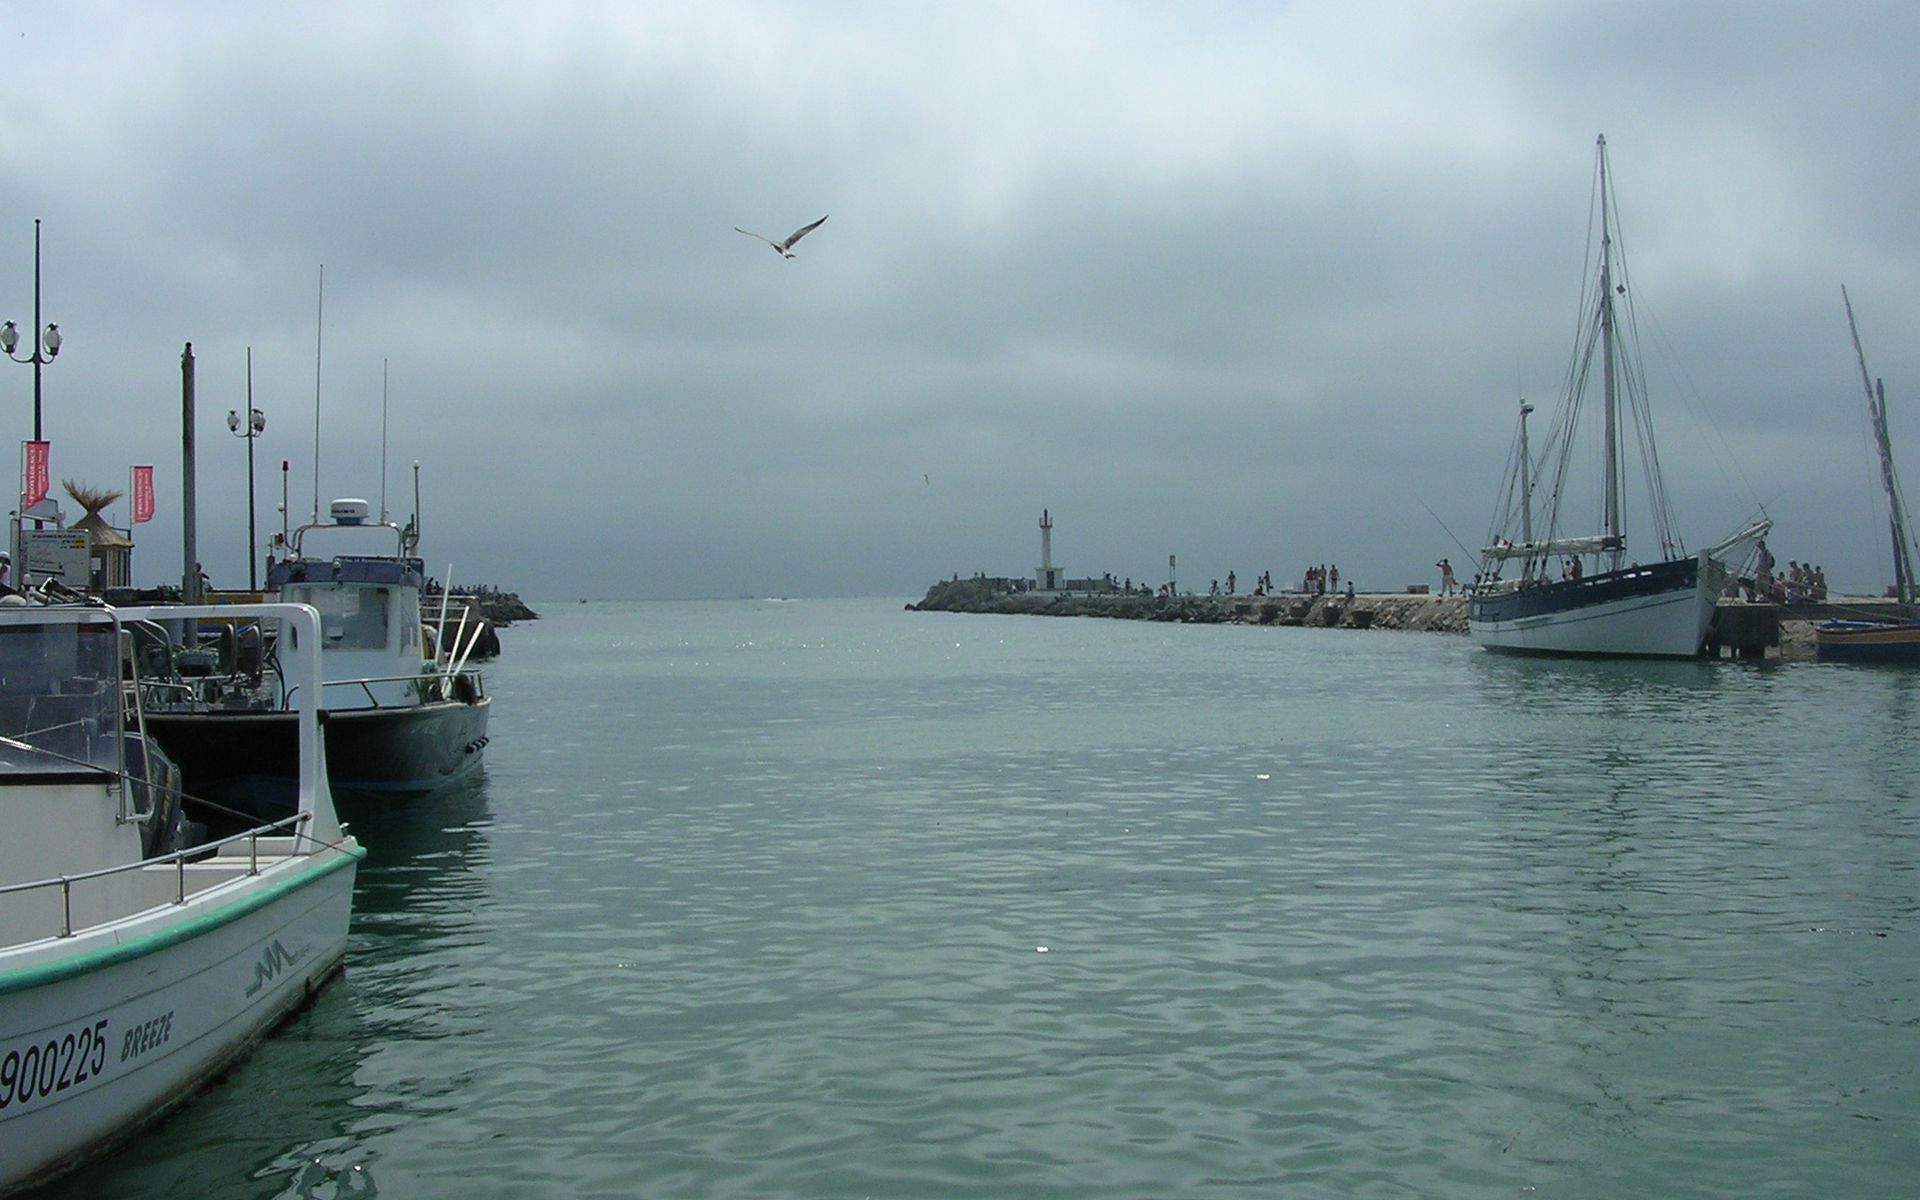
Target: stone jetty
{"x": 503, "y": 608}
{"x": 1363, "y": 610}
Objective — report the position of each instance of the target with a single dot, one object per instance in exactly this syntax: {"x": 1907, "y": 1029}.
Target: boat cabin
{"x": 373, "y": 651}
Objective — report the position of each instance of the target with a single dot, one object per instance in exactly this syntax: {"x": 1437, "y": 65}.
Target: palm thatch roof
{"x": 92, "y": 499}
{"x": 105, "y": 536}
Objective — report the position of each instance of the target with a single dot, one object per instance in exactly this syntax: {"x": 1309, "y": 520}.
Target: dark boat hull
{"x": 244, "y": 760}
{"x": 1867, "y": 641}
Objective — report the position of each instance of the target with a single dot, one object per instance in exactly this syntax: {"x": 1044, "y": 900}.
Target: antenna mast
{"x": 383, "y": 441}
{"x": 319, "y": 313}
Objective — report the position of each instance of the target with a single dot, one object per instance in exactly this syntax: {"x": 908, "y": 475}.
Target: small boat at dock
{"x": 402, "y": 712}
{"x": 137, "y": 961}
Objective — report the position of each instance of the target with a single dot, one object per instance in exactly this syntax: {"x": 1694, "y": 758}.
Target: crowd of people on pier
{"x": 1800, "y": 583}
{"x": 1315, "y": 581}
{"x": 1322, "y": 579}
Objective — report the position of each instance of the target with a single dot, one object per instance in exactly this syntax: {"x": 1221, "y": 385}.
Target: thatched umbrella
{"x": 92, "y": 499}
{"x": 110, "y": 548}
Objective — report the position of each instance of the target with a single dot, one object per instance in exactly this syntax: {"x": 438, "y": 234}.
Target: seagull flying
{"x": 785, "y": 248}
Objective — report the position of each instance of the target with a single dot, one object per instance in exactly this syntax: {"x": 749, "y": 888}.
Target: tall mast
{"x": 1877, "y": 409}
{"x": 1526, "y": 479}
{"x": 1902, "y": 565}
{"x": 1612, "y": 529}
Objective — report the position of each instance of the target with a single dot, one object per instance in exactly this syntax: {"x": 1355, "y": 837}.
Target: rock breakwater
{"x": 1364, "y": 610}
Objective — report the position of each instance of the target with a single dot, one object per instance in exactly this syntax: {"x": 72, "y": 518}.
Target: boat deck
{"x": 49, "y": 912}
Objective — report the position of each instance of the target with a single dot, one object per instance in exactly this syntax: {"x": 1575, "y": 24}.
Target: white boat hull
{"x": 1629, "y": 614}
{"x": 135, "y": 1016}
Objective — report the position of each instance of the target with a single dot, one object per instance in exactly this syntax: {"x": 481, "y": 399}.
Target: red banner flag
{"x": 34, "y": 488}
{"x": 142, "y": 494}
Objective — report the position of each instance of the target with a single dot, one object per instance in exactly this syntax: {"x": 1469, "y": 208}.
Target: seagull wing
{"x": 750, "y": 233}
{"x": 801, "y": 232}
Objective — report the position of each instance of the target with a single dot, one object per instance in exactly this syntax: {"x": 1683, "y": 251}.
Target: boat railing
{"x": 179, "y": 859}
{"x": 366, "y": 686}
{"x": 159, "y": 696}
{"x": 428, "y": 683}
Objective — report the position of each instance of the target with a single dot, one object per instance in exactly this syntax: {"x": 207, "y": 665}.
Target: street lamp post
{"x": 49, "y": 337}
{"x": 249, "y": 428}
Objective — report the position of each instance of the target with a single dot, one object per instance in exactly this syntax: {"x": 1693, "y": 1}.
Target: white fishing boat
{"x": 134, "y": 965}
{"x": 1542, "y": 591}
{"x": 404, "y": 713}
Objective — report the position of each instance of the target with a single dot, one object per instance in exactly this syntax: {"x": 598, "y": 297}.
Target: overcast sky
{"x": 1254, "y": 284}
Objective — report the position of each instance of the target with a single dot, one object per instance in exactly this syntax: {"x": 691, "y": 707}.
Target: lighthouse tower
{"x": 1047, "y": 577}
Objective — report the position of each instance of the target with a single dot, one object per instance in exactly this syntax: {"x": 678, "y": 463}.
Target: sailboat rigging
{"x": 1623, "y": 608}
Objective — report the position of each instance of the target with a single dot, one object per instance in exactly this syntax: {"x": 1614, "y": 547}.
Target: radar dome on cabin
{"x": 349, "y": 511}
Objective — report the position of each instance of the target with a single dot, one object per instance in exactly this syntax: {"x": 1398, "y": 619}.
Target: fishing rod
{"x": 1471, "y": 555}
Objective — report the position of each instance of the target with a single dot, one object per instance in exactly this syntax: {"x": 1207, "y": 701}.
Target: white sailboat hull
{"x": 1661, "y": 611}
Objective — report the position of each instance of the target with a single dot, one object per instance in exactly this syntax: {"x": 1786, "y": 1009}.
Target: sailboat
{"x": 1551, "y": 603}
{"x": 1895, "y": 640}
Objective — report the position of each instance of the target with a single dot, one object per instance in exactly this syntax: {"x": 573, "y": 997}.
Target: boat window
{"x": 351, "y": 618}
{"x": 59, "y": 699}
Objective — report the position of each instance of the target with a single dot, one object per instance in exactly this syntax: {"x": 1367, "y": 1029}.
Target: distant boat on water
{"x": 1880, "y": 641}
{"x": 1623, "y": 608}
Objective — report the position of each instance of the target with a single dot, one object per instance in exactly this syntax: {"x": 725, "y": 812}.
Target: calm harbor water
{"x": 826, "y": 899}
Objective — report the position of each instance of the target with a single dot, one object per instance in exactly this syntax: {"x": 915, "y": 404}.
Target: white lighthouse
{"x": 1047, "y": 577}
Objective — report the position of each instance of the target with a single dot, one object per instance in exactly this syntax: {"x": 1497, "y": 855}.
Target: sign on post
{"x": 62, "y": 555}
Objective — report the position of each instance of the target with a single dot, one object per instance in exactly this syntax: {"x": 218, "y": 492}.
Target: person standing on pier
{"x": 1446, "y": 577}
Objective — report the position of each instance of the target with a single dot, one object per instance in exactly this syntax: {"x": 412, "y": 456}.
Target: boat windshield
{"x": 59, "y": 699}
{"x": 351, "y": 618}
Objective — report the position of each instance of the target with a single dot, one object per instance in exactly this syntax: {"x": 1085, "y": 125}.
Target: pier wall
{"x": 1365, "y": 610}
